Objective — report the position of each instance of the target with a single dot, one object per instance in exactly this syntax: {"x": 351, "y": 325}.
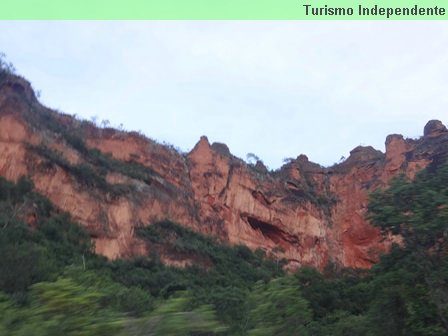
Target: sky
{"x": 273, "y": 88}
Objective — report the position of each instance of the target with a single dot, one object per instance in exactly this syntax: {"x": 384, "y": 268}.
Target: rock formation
{"x": 113, "y": 182}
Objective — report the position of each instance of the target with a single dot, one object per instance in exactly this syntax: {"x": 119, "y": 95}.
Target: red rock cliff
{"x": 113, "y": 182}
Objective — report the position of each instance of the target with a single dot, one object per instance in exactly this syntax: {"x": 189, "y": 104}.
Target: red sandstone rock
{"x": 303, "y": 212}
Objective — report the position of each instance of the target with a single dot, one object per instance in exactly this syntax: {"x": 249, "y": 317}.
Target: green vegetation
{"x": 221, "y": 276}
{"x": 85, "y": 174}
{"x": 278, "y": 308}
{"x": 6, "y": 68}
{"x": 51, "y": 282}
{"x": 103, "y": 162}
{"x": 92, "y": 173}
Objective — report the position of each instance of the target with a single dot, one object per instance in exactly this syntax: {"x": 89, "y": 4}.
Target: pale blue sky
{"x": 276, "y": 89}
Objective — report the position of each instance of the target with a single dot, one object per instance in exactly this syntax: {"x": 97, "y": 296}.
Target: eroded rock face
{"x": 434, "y": 128}
{"x": 303, "y": 212}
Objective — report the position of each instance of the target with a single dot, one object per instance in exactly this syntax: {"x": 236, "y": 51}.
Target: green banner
{"x": 223, "y": 10}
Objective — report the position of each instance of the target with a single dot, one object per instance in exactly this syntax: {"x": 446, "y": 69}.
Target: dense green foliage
{"x": 278, "y": 308}
{"x": 418, "y": 211}
{"x": 51, "y": 283}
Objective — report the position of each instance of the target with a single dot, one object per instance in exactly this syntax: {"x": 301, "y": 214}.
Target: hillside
{"x": 113, "y": 182}
{"x": 89, "y": 244}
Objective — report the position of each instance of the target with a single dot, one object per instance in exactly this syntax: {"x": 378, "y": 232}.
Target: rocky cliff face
{"x": 113, "y": 182}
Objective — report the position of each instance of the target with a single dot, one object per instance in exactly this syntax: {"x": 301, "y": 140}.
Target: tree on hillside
{"x": 418, "y": 211}
{"x": 5, "y": 66}
{"x": 278, "y": 308}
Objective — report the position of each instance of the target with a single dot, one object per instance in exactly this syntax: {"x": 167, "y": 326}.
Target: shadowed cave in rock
{"x": 271, "y": 232}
